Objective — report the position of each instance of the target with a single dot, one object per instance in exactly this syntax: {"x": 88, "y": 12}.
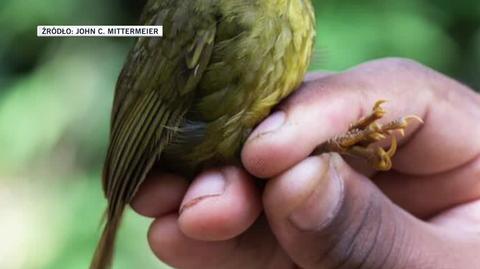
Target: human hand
{"x": 318, "y": 211}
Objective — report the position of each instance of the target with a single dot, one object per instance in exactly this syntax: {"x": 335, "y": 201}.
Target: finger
{"x": 326, "y": 215}
{"x": 160, "y": 194}
{"x": 256, "y": 248}
{"x": 445, "y": 190}
{"x": 176, "y": 249}
{"x": 320, "y": 110}
{"x": 326, "y": 107}
{"x": 462, "y": 218}
{"x": 219, "y": 205}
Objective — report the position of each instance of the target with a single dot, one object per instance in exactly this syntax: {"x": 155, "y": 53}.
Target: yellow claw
{"x": 366, "y": 131}
{"x": 385, "y": 162}
{"x": 404, "y": 122}
{"x": 377, "y": 136}
{"x": 378, "y": 111}
{"x": 393, "y": 147}
{"x": 414, "y": 117}
{"x": 379, "y": 103}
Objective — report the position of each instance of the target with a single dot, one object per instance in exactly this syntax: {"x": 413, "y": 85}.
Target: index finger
{"x": 326, "y": 107}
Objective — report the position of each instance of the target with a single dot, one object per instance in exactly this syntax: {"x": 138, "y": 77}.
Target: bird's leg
{"x": 377, "y": 157}
{"x": 357, "y": 140}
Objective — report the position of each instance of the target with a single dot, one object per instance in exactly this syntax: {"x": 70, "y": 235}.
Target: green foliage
{"x": 64, "y": 100}
{"x": 351, "y": 32}
{"x": 55, "y": 98}
{"x": 82, "y": 208}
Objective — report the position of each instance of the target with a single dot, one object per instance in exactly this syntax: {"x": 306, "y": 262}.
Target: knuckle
{"x": 411, "y": 70}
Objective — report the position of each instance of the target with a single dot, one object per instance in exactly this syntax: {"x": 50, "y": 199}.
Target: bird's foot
{"x": 358, "y": 140}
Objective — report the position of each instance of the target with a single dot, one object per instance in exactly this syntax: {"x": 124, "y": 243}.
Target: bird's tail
{"x": 102, "y": 258}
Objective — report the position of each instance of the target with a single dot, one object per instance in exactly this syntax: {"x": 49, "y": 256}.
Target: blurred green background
{"x": 55, "y": 98}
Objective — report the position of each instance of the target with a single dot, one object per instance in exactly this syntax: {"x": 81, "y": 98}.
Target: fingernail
{"x": 321, "y": 206}
{"x": 207, "y": 185}
{"x": 270, "y": 124}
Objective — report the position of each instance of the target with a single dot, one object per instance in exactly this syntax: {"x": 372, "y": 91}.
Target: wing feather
{"x": 154, "y": 91}
{"x": 149, "y": 106}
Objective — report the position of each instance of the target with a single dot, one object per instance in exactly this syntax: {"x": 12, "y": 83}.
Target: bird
{"x": 189, "y": 99}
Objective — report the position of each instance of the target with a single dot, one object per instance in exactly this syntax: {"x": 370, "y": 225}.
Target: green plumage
{"x": 189, "y": 99}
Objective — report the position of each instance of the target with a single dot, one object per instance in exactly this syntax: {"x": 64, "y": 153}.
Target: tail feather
{"x": 102, "y": 258}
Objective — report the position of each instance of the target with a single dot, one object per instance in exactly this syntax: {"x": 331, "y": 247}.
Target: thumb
{"x": 326, "y": 215}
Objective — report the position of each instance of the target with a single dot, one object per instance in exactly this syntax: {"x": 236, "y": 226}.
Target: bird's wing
{"x": 153, "y": 92}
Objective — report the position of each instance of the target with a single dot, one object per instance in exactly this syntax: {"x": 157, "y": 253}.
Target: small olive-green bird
{"x": 189, "y": 99}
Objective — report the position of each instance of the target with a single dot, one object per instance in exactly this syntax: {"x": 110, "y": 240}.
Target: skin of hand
{"x": 322, "y": 211}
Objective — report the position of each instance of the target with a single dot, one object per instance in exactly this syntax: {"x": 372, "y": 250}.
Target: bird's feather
{"x": 153, "y": 93}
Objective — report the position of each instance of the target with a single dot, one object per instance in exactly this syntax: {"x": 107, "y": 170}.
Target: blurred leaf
{"x": 72, "y": 89}
{"x": 55, "y": 224}
{"x": 84, "y": 205}
{"x": 466, "y": 9}
{"x": 351, "y": 32}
